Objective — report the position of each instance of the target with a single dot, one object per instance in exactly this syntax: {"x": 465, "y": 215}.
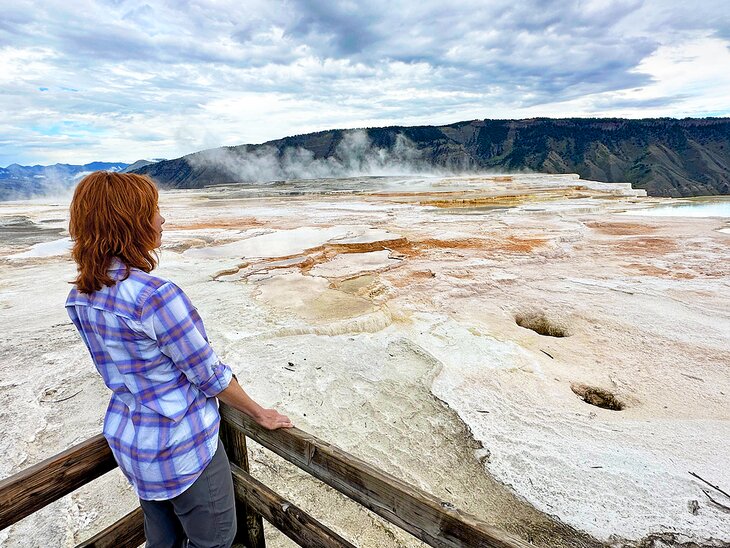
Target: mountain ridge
{"x": 19, "y": 182}
{"x": 665, "y": 156}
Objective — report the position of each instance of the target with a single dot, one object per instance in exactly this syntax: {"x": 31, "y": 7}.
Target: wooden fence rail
{"x": 128, "y": 532}
{"x": 436, "y": 522}
{"x": 41, "y": 484}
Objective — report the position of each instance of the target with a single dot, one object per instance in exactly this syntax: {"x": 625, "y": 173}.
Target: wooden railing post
{"x": 250, "y": 524}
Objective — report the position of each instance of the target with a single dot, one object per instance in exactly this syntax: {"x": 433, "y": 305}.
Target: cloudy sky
{"x": 122, "y": 80}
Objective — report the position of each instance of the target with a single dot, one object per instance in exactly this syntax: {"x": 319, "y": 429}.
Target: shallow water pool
{"x": 717, "y": 207}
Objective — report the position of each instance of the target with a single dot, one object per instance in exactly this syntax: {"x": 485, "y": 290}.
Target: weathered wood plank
{"x": 41, "y": 484}
{"x": 250, "y": 530}
{"x": 127, "y": 532}
{"x": 290, "y": 520}
{"x": 437, "y": 523}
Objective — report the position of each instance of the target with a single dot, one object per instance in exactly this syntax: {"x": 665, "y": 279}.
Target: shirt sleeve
{"x": 172, "y": 320}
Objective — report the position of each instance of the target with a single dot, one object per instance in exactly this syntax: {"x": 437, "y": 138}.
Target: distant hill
{"x": 136, "y": 165}
{"x": 140, "y": 163}
{"x": 667, "y": 157}
{"x": 19, "y": 182}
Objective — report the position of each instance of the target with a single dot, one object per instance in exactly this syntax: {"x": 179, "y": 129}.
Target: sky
{"x": 118, "y": 80}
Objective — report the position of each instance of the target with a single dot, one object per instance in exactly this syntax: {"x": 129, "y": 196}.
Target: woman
{"x": 149, "y": 344}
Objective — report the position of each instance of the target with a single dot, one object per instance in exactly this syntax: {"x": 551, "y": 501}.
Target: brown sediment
{"x": 354, "y": 284}
{"x": 600, "y": 397}
{"x": 499, "y": 197}
{"x": 541, "y": 324}
{"x": 366, "y": 286}
{"x": 644, "y": 246}
{"x": 463, "y": 243}
{"x": 243, "y": 222}
{"x": 230, "y": 271}
{"x": 450, "y": 194}
{"x": 497, "y": 201}
{"x": 329, "y": 250}
{"x": 532, "y": 194}
{"x": 713, "y": 271}
{"x": 658, "y": 272}
{"x": 411, "y": 275}
{"x": 399, "y": 247}
{"x": 519, "y": 245}
{"x": 397, "y": 244}
{"x": 410, "y": 248}
{"x": 620, "y": 229}
{"x": 320, "y": 254}
{"x": 461, "y": 274}
{"x": 400, "y": 194}
{"x": 181, "y": 247}
{"x": 478, "y": 179}
{"x": 508, "y": 243}
{"x": 267, "y": 264}
{"x": 326, "y": 252}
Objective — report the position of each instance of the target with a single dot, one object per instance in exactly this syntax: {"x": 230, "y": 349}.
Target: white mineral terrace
{"x": 381, "y": 315}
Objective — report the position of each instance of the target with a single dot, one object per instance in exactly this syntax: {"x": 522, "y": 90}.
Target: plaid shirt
{"x": 148, "y": 343}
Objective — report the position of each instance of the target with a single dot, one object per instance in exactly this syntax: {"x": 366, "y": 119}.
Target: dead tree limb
{"x": 708, "y": 483}
{"x": 713, "y": 501}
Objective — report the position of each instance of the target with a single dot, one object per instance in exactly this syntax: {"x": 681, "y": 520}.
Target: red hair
{"x": 112, "y": 216}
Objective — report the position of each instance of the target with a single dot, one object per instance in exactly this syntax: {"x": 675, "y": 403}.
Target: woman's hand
{"x": 271, "y": 419}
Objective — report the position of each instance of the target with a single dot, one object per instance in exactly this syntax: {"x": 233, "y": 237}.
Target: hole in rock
{"x": 599, "y": 397}
{"x": 541, "y": 324}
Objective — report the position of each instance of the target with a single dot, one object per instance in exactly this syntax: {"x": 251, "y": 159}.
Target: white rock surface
{"x": 382, "y": 300}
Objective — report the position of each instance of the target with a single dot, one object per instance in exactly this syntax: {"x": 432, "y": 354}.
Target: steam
{"x": 50, "y": 185}
{"x": 355, "y": 155}
{"x": 55, "y": 182}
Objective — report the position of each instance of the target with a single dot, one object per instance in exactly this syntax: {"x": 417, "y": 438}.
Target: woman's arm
{"x": 234, "y": 396}
{"x": 170, "y": 319}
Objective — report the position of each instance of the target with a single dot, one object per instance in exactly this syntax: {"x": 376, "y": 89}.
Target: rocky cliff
{"x": 667, "y": 157}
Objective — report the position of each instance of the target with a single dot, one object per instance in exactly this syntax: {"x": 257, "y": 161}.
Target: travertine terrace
{"x": 398, "y": 318}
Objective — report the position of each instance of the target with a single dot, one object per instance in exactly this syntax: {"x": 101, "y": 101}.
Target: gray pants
{"x": 203, "y": 516}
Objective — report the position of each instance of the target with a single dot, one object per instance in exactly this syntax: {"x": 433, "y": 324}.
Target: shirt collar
{"x": 116, "y": 264}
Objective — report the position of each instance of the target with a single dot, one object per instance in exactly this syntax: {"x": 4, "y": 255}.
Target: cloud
{"x": 641, "y": 103}
{"x": 167, "y": 78}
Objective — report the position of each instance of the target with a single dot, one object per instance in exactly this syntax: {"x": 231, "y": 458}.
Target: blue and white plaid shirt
{"x": 149, "y": 344}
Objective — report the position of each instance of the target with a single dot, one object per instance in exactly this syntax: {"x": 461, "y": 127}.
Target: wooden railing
{"x": 435, "y": 522}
